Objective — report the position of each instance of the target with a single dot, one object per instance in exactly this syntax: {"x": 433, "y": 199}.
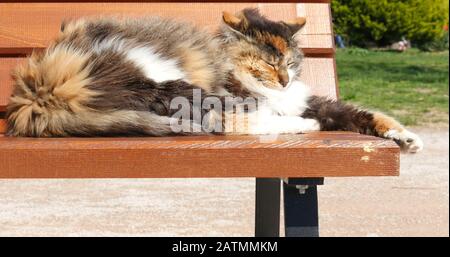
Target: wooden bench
{"x": 303, "y": 160}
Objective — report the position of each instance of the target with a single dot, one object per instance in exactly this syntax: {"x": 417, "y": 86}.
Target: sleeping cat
{"x": 104, "y": 77}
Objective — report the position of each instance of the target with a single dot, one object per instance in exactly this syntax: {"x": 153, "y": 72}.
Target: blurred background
{"x": 393, "y": 56}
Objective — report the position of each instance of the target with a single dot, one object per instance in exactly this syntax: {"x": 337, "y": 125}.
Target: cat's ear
{"x": 236, "y": 23}
{"x": 231, "y": 20}
{"x": 295, "y": 25}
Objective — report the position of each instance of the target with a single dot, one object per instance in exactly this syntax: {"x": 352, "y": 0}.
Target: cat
{"x": 107, "y": 77}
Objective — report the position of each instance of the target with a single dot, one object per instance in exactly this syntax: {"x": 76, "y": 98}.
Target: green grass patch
{"x": 411, "y": 86}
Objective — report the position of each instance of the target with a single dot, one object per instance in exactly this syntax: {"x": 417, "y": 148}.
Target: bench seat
{"x": 320, "y": 154}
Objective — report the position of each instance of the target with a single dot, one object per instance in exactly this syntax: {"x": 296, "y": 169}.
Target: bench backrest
{"x": 31, "y": 25}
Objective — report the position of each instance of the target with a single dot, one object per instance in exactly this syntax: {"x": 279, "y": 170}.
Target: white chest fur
{"x": 292, "y": 101}
{"x": 280, "y": 112}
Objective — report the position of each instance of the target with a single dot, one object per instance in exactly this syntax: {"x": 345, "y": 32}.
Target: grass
{"x": 411, "y": 86}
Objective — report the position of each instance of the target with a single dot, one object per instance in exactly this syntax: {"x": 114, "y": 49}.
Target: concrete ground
{"x": 414, "y": 204}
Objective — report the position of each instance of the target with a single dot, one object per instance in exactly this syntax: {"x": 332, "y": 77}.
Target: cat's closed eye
{"x": 272, "y": 65}
{"x": 291, "y": 63}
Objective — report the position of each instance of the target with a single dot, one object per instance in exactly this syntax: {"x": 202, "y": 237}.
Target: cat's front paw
{"x": 408, "y": 141}
{"x": 309, "y": 125}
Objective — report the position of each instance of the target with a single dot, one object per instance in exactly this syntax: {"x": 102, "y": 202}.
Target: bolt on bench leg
{"x": 267, "y": 209}
{"x": 301, "y": 214}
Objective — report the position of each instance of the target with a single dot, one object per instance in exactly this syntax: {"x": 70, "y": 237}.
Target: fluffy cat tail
{"x": 51, "y": 98}
{"x": 50, "y": 89}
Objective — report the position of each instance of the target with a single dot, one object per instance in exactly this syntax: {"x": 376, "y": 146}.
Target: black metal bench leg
{"x": 301, "y": 214}
{"x": 267, "y": 209}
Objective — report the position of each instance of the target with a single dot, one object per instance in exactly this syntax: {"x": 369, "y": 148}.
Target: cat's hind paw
{"x": 408, "y": 141}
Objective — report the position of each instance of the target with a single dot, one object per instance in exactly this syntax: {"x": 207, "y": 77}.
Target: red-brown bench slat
{"x": 33, "y": 25}
{"x": 323, "y": 154}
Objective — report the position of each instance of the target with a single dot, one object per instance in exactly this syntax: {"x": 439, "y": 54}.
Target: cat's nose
{"x": 284, "y": 81}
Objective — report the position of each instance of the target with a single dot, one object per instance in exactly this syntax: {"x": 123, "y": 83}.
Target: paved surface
{"x": 414, "y": 204}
